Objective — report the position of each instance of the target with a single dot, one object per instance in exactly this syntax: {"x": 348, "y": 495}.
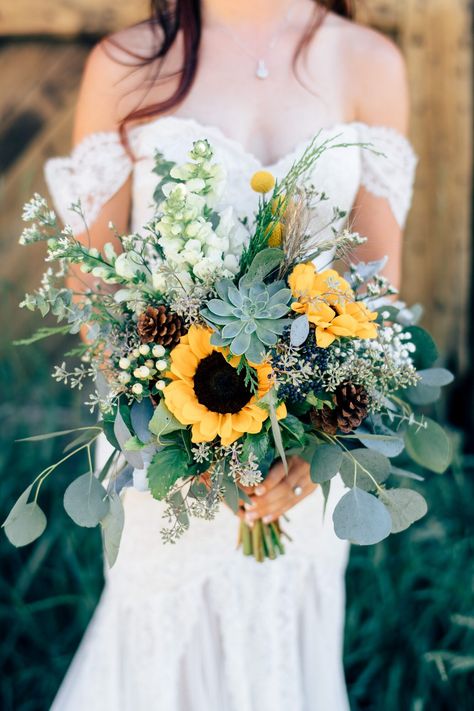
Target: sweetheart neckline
{"x": 238, "y": 146}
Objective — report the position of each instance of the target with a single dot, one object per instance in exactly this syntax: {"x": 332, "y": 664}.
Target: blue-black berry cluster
{"x": 309, "y": 354}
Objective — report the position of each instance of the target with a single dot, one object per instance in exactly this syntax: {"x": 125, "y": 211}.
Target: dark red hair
{"x": 169, "y": 17}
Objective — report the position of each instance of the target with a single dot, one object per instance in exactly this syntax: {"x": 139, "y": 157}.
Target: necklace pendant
{"x": 262, "y": 69}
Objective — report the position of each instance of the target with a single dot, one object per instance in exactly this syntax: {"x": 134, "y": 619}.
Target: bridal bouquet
{"x": 217, "y": 347}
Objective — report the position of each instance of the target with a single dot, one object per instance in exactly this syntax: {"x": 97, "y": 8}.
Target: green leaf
{"x": 361, "y": 518}
{"x": 396, "y": 471}
{"x": 25, "y": 522}
{"x": 123, "y": 435}
{"x": 231, "y": 493}
{"x": 179, "y": 508}
{"x": 358, "y": 462}
{"x": 405, "y": 506}
{"x": 429, "y": 445}
{"x": 256, "y": 444}
{"x": 262, "y": 265}
{"x": 421, "y": 394}
{"x": 426, "y": 352}
{"x": 294, "y": 427}
{"x": 388, "y": 445}
{"x": 166, "y": 467}
{"x": 41, "y": 333}
{"x": 326, "y": 462}
{"x": 49, "y": 435}
{"x": 163, "y": 422}
{"x": 140, "y": 416}
{"x": 85, "y": 501}
{"x": 326, "y": 489}
{"x": 112, "y": 527}
{"x": 134, "y": 444}
{"x": 299, "y": 330}
{"x": 269, "y": 399}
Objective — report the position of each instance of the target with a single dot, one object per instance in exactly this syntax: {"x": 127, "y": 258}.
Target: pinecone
{"x": 350, "y": 409}
{"x": 158, "y": 325}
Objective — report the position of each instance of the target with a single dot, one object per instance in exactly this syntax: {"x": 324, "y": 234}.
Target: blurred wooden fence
{"x": 39, "y": 79}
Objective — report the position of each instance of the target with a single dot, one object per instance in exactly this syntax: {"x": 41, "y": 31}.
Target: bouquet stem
{"x": 262, "y": 540}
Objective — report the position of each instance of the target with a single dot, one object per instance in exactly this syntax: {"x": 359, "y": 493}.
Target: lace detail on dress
{"x": 392, "y": 174}
{"x": 96, "y": 169}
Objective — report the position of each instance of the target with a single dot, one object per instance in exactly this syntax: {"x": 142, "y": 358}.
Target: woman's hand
{"x": 276, "y": 495}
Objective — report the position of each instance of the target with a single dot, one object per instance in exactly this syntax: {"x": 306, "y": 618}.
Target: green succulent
{"x": 249, "y": 317}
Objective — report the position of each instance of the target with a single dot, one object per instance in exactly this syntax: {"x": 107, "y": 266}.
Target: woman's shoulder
{"x": 376, "y": 73}
{"x": 113, "y": 77}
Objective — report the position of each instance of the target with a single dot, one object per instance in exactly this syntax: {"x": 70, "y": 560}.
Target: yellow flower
{"x": 207, "y": 393}
{"x": 275, "y": 234}
{"x": 330, "y": 305}
{"x": 262, "y": 181}
{"x": 363, "y": 318}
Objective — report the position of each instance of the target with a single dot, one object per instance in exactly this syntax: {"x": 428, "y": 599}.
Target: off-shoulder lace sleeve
{"x": 95, "y": 170}
{"x": 392, "y": 174}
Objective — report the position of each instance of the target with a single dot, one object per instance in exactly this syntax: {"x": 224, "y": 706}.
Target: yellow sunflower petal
{"x": 209, "y": 424}
{"x": 242, "y": 421}
{"x": 281, "y": 411}
{"x": 200, "y": 341}
{"x": 183, "y": 362}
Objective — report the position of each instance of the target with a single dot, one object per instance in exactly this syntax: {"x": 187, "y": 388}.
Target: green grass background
{"x": 410, "y": 617}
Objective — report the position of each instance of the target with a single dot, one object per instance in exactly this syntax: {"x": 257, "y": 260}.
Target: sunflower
{"x": 209, "y": 394}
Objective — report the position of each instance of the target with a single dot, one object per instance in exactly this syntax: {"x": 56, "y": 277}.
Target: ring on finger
{"x": 297, "y": 490}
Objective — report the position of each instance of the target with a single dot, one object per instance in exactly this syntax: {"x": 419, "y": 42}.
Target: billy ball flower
{"x": 262, "y": 181}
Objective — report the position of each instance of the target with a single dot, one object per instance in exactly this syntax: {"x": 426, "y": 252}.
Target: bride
{"x": 196, "y": 626}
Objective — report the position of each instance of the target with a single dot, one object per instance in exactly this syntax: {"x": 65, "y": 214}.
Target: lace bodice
{"x": 100, "y": 165}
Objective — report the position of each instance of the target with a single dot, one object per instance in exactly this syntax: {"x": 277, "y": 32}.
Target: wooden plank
{"x": 69, "y": 17}
{"x": 436, "y": 42}
{"x": 34, "y": 85}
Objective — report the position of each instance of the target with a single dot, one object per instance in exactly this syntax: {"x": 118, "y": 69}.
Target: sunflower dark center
{"x": 219, "y": 387}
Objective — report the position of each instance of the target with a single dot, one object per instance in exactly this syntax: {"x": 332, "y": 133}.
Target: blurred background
{"x": 410, "y": 621}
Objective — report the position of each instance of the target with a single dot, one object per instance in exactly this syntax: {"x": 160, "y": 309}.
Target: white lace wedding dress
{"x": 196, "y": 626}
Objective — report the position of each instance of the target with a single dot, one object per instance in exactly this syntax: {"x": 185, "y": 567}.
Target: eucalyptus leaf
{"x": 112, "y": 527}
{"x": 85, "y": 501}
{"x": 421, "y": 394}
{"x": 163, "y": 422}
{"x": 436, "y": 377}
{"x": 140, "y": 415}
{"x": 429, "y": 445}
{"x": 123, "y": 435}
{"x": 25, "y": 522}
{"x": 325, "y": 463}
{"x": 397, "y": 471}
{"x": 326, "y": 490}
{"x": 361, "y": 518}
{"x": 358, "y": 462}
{"x": 299, "y": 330}
{"x": 389, "y": 445}
{"x": 405, "y": 507}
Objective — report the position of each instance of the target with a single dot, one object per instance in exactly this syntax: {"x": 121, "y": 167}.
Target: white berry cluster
{"x": 141, "y": 370}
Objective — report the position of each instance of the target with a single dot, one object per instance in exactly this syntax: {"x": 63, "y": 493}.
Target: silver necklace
{"x": 261, "y": 70}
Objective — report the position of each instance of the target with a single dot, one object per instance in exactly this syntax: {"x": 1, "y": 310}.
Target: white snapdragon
{"x": 128, "y": 264}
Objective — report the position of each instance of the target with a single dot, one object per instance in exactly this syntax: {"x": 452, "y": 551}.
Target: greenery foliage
{"x": 410, "y": 623}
